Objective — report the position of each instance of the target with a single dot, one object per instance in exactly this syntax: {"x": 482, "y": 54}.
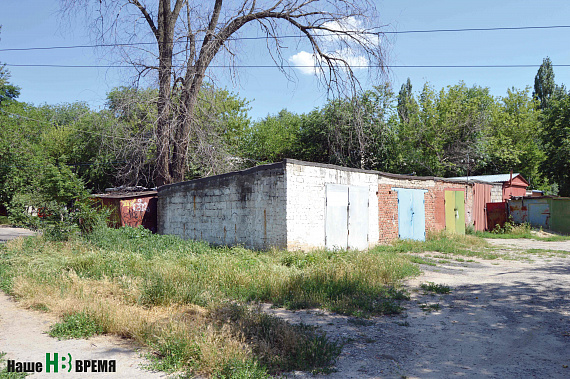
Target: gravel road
{"x": 503, "y": 319}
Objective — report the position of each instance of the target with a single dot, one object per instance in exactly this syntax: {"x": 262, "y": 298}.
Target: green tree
{"x": 354, "y": 132}
{"x": 273, "y": 138}
{"x": 513, "y": 137}
{"x": 7, "y": 91}
{"x": 443, "y": 134}
{"x": 223, "y": 118}
{"x": 544, "y": 85}
{"x": 556, "y": 139}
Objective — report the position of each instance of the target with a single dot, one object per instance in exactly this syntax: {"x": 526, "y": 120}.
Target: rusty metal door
{"x": 496, "y": 214}
{"x": 346, "y": 219}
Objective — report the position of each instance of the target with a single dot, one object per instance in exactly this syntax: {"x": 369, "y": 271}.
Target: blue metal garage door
{"x": 411, "y": 214}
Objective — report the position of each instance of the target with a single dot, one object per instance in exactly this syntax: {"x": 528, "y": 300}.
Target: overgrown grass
{"x": 190, "y": 302}
{"x": 463, "y": 245}
{"x": 4, "y": 220}
{"x": 528, "y": 235}
{"x": 511, "y": 230}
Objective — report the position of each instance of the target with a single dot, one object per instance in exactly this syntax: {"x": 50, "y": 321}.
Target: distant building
{"x": 513, "y": 184}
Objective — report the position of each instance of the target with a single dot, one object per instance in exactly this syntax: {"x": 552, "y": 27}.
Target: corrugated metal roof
{"x": 499, "y": 178}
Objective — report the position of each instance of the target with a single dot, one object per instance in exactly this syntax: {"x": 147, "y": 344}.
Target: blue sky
{"x": 35, "y": 23}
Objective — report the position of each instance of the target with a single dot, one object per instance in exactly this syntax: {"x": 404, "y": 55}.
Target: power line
{"x": 295, "y": 66}
{"x": 459, "y": 30}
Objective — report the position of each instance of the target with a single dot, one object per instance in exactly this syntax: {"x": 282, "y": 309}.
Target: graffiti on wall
{"x": 140, "y": 211}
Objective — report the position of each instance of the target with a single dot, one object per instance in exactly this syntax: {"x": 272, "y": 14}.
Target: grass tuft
{"x": 76, "y": 325}
{"x": 436, "y": 288}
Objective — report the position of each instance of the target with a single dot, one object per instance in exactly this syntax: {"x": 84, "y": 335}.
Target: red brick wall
{"x": 434, "y": 206}
{"x": 388, "y": 210}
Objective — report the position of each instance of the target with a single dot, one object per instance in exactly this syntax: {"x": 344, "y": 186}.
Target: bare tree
{"x": 187, "y": 36}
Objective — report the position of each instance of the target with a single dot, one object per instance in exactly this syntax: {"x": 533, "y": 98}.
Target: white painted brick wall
{"x": 306, "y": 202}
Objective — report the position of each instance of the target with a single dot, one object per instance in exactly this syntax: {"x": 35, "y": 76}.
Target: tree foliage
{"x": 189, "y": 36}
{"x": 556, "y": 139}
{"x": 544, "y": 83}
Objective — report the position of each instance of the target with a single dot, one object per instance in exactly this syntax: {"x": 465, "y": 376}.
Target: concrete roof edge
{"x": 206, "y": 179}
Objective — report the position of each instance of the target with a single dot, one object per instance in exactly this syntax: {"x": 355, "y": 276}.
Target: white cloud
{"x": 305, "y": 62}
{"x": 337, "y": 46}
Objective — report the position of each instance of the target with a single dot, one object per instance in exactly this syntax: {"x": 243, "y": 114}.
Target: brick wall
{"x": 434, "y": 198}
{"x": 388, "y": 204}
{"x": 245, "y": 207}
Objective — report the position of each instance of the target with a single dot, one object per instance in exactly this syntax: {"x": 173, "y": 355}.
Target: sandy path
{"x": 525, "y": 244}
{"x": 23, "y": 337}
{"x": 503, "y": 319}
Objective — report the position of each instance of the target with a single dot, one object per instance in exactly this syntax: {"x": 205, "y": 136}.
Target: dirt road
{"x": 23, "y": 337}
{"x": 503, "y": 319}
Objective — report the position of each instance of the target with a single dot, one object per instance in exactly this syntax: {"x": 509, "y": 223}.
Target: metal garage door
{"x": 411, "y": 214}
{"x": 346, "y": 220}
{"x": 455, "y": 212}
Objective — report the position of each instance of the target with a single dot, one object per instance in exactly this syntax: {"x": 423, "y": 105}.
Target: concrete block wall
{"x": 497, "y": 193}
{"x": 245, "y": 207}
{"x": 306, "y": 201}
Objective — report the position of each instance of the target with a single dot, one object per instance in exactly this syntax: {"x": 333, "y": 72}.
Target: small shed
{"x": 512, "y": 184}
{"x": 131, "y": 208}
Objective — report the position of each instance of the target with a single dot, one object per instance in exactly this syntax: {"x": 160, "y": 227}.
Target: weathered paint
{"x": 139, "y": 211}
{"x": 535, "y": 211}
{"x": 560, "y": 215}
{"x": 481, "y": 196}
{"x": 496, "y": 214}
{"x": 336, "y": 218}
{"x": 411, "y": 214}
{"x": 539, "y": 213}
{"x": 455, "y": 212}
{"x": 131, "y": 210}
{"x": 450, "y": 211}
{"x": 358, "y": 217}
{"x": 460, "y": 212}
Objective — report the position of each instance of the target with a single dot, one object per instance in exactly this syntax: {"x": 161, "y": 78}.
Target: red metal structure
{"x": 496, "y": 215}
{"x": 131, "y": 209}
{"x": 481, "y": 196}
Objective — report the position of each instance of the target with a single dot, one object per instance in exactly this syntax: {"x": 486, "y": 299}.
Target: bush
{"x": 511, "y": 228}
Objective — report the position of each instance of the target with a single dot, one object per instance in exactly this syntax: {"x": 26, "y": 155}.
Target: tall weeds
{"x": 186, "y": 300}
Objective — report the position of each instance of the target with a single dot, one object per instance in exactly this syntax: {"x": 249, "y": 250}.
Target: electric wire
{"x": 295, "y": 66}
{"x": 459, "y": 30}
